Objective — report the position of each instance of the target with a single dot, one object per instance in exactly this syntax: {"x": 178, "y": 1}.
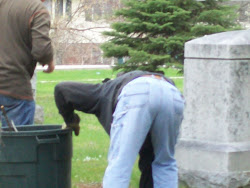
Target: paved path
{"x": 67, "y": 67}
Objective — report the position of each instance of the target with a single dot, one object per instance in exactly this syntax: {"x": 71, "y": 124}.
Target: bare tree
{"x": 78, "y": 34}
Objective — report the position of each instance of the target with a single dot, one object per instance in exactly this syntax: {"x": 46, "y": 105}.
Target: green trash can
{"x": 36, "y": 157}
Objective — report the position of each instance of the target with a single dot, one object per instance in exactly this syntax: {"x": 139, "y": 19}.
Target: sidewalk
{"x": 69, "y": 67}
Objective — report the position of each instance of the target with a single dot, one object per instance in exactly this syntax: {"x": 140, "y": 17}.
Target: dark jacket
{"x": 24, "y": 41}
{"x": 98, "y": 99}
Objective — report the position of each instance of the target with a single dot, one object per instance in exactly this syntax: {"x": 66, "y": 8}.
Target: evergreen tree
{"x": 152, "y": 33}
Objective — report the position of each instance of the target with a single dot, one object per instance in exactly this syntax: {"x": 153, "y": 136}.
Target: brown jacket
{"x": 24, "y": 41}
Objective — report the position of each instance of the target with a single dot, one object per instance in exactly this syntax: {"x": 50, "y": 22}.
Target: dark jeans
{"x": 21, "y": 112}
{"x": 145, "y": 162}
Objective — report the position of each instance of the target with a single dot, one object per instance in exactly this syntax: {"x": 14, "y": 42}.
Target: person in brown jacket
{"x": 24, "y": 41}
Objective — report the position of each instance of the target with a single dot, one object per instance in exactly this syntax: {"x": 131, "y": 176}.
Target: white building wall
{"x": 84, "y": 23}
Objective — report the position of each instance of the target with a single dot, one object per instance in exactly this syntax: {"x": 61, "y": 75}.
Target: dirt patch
{"x": 82, "y": 185}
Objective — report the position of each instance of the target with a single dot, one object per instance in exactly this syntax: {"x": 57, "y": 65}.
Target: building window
{"x": 48, "y": 5}
{"x": 63, "y": 8}
{"x": 68, "y": 7}
{"x": 59, "y": 7}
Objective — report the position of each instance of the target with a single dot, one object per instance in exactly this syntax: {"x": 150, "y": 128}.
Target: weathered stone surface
{"x": 214, "y": 144}
{"x": 195, "y": 179}
{"x": 216, "y": 92}
{"x": 39, "y": 115}
{"x": 226, "y": 45}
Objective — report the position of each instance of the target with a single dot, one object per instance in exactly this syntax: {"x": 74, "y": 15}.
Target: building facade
{"x": 77, "y": 27}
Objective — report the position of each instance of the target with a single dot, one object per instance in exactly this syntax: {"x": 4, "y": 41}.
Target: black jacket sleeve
{"x": 70, "y": 96}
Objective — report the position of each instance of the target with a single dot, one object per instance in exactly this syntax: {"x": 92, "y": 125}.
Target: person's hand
{"x": 74, "y": 124}
{"x": 50, "y": 68}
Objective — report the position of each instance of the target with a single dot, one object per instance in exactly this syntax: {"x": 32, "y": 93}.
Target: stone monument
{"x": 213, "y": 150}
{"x": 39, "y": 113}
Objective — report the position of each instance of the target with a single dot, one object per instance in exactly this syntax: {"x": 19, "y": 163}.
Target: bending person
{"x": 142, "y": 112}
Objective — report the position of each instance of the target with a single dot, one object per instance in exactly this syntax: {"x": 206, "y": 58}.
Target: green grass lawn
{"x": 90, "y": 147}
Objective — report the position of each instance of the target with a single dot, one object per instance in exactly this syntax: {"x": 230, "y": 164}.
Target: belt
{"x": 154, "y": 76}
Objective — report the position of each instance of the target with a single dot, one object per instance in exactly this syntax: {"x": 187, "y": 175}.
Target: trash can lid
{"x": 31, "y": 130}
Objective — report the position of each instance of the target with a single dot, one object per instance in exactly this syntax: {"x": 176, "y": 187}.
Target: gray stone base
{"x": 213, "y": 164}
{"x": 39, "y": 115}
{"x": 201, "y": 179}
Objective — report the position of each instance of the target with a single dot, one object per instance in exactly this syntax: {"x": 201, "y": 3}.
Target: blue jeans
{"x": 21, "y": 112}
{"x": 145, "y": 105}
